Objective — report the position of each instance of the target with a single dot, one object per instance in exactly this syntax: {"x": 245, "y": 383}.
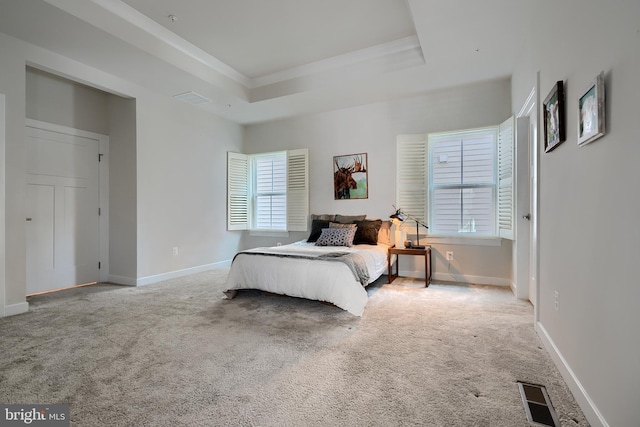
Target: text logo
{"x": 34, "y": 415}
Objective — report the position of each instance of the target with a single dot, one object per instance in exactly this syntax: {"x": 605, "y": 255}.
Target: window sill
{"x": 269, "y": 233}
{"x": 469, "y": 241}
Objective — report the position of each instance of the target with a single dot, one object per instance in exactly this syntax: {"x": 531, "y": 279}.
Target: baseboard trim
{"x": 181, "y": 273}
{"x": 14, "y": 309}
{"x": 476, "y": 280}
{"x": 121, "y": 280}
{"x": 583, "y": 399}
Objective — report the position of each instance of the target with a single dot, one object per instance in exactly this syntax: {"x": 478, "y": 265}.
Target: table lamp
{"x": 402, "y": 216}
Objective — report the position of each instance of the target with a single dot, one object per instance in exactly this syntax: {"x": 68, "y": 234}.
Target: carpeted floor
{"x": 177, "y": 354}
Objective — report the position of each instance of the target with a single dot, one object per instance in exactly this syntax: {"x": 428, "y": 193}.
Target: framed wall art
{"x": 554, "y": 117}
{"x": 350, "y": 179}
{"x": 591, "y": 111}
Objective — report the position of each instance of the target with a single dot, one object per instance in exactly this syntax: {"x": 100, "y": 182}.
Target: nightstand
{"x": 426, "y": 253}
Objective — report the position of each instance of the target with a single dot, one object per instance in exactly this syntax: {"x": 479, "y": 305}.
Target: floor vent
{"x": 537, "y": 405}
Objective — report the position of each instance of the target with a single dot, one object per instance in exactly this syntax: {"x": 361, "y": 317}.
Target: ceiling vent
{"x": 192, "y": 98}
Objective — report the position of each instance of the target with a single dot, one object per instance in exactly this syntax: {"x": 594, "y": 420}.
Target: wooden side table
{"x": 426, "y": 252}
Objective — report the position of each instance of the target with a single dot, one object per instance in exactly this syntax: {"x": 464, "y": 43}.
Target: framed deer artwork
{"x": 350, "y": 176}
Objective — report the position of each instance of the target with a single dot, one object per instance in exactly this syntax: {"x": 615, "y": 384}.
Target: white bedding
{"x": 320, "y": 280}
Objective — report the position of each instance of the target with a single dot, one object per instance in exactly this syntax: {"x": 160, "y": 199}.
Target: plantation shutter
{"x": 297, "y": 189}
{"x": 506, "y": 209}
{"x": 237, "y": 191}
{"x": 270, "y": 191}
{"x": 411, "y": 175}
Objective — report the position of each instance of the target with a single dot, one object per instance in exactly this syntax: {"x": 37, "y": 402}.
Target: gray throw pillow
{"x": 336, "y": 237}
{"x": 346, "y": 219}
{"x": 316, "y": 229}
{"x": 367, "y": 232}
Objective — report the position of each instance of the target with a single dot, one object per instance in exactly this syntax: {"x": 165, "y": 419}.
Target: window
{"x": 462, "y": 182}
{"x": 268, "y": 191}
{"x": 459, "y": 183}
{"x": 269, "y": 181}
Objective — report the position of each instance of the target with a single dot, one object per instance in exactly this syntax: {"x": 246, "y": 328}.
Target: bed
{"x": 322, "y": 267}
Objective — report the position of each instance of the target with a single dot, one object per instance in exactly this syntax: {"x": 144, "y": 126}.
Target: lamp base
{"x": 418, "y": 247}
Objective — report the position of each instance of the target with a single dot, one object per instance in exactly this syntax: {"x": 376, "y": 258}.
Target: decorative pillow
{"x": 338, "y": 225}
{"x": 316, "y": 229}
{"x": 384, "y": 235}
{"x": 323, "y": 217}
{"x": 349, "y": 219}
{"x": 367, "y": 232}
{"x": 336, "y": 237}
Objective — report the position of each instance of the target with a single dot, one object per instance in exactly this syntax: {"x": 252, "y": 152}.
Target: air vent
{"x": 192, "y": 98}
{"x": 537, "y": 405}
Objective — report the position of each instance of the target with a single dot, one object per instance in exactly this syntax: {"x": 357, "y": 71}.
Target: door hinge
{"x": 99, "y": 265}
{"x": 100, "y": 157}
{"x": 99, "y": 211}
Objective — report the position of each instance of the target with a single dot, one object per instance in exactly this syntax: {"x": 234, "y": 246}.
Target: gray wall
{"x": 590, "y": 204}
{"x": 123, "y": 216}
{"x": 373, "y": 129}
{"x": 182, "y": 170}
{"x": 168, "y": 168}
{"x": 53, "y": 99}
{"x": 57, "y": 100}
{"x": 12, "y": 84}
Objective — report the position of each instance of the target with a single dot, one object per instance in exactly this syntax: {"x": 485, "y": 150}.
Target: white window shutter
{"x": 506, "y": 187}
{"x": 297, "y": 189}
{"x": 269, "y": 188}
{"x": 237, "y": 191}
{"x": 411, "y": 175}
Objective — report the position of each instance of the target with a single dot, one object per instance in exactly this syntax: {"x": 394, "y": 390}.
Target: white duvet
{"x": 314, "y": 279}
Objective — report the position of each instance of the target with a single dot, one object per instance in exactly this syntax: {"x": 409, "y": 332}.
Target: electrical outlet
{"x": 279, "y": 244}
{"x": 449, "y": 255}
{"x": 175, "y": 251}
{"x": 556, "y": 299}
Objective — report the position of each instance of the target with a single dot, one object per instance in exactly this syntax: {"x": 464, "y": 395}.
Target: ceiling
{"x": 257, "y": 60}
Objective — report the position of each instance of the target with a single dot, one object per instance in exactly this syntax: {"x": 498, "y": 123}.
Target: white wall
{"x": 12, "y": 84}
{"x": 373, "y": 129}
{"x": 590, "y": 204}
{"x": 52, "y": 99}
{"x": 182, "y": 158}
{"x": 2, "y": 209}
{"x": 169, "y": 169}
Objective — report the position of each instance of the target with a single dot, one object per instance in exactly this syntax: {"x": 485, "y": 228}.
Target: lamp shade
{"x": 398, "y": 215}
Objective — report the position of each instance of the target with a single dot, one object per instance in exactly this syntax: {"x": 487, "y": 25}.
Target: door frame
{"x": 527, "y": 230}
{"x": 103, "y": 185}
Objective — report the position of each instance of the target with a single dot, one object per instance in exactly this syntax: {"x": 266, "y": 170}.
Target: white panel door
{"x": 62, "y": 210}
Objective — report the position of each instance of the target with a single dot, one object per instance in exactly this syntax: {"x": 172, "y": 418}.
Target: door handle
{"x": 28, "y": 219}
{"x": 527, "y": 217}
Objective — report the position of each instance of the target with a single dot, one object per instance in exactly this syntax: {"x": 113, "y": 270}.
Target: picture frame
{"x": 554, "y": 117}
{"x": 591, "y": 111}
{"x": 350, "y": 176}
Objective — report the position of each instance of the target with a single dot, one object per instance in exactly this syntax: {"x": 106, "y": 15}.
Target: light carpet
{"x": 177, "y": 354}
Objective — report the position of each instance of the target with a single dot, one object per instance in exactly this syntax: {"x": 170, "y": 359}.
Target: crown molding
{"x": 133, "y": 27}
{"x": 336, "y": 62}
{"x": 132, "y": 16}
{"x": 85, "y": 10}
